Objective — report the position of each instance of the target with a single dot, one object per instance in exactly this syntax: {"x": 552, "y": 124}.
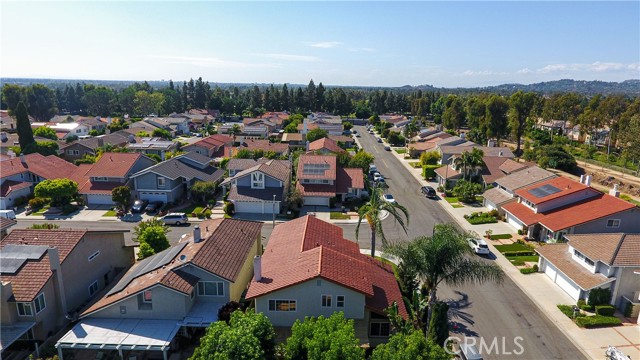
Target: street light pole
{"x": 273, "y": 211}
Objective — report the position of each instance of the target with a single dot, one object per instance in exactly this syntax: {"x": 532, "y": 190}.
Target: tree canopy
{"x": 121, "y": 195}
{"x": 316, "y": 134}
{"x": 60, "y": 191}
{"x": 412, "y": 346}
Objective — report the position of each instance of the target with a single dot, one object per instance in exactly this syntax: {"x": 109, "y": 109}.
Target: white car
{"x": 479, "y": 246}
{"x": 388, "y": 198}
{"x": 377, "y": 176}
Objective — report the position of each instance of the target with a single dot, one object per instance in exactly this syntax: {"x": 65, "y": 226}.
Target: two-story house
{"x": 591, "y": 261}
{"x": 332, "y": 128}
{"x": 261, "y": 188}
{"x": 20, "y": 175}
{"x": 506, "y": 186}
{"x": 96, "y": 182}
{"x": 550, "y": 209}
{"x": 253, "y": 145}
{"x": 309, "y": 269}
{"x": 64, "y": 130}
{"x": 48, "y": 275}
{"x": 153, "y": 145}
{"x": 94, "y": 123}
{"x": 324, "y": 146}
{"x": 214, "y": 146}
{"x": 174, "y": 291}
{"x": 171, "y": 180}
{"x": 320, "y": 179}
{"x": 294, "y": 140}
{"x": 79, "y": 148}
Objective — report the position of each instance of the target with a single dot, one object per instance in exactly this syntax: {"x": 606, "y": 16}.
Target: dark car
{"x": 428, "y": 191}
{"x": 387, "y": 148}
{"x": 139, "y": 206}
{"x": 153, "y": 207}
{"x": 379, "y": 140}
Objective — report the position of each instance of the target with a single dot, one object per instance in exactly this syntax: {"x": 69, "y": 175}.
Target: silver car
{"x": 175, "y": 219}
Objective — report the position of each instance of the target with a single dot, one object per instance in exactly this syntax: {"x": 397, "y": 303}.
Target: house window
{"x": 210, "y": 288}
{"x": 146, "y": 297}
{"x": 145, "y": 301}
{"x": 100, "y": 178}
{"x": 340, "y": 301}
{"x": 257, "y": 180}
{"x": 24, "y": 309}
{"x": 93, "y": 288}
{"x": 160, "y": 182}
{"x": 73, "y": 152}
{"x": 282, "y": 305}
{"x": 613, "y": 223}
{"x": 94, "y": 255}
{"x": 326, "y": 300}
{"x": 582, "y": 257}
{"x": 40, "y": 303}
{"x": 78, "y": 131}
{"x": 380, "y": 329}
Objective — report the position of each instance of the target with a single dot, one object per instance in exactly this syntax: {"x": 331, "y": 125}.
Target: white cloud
{"x": 597, "y": 66}
{"x": 326, "y": 44}
{"x": 482, "y": 73}
{"x": 290, "y": 57}
{"x": 362, "y": 49}
{"x": 209, "y": 62}
{"x": 524, "y": 71}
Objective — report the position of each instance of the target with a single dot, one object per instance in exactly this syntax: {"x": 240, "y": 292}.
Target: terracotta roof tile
{"x": 565, "y": 186}
{"x": 559, "y": 256}
{"x": 325, "y": 144}
{"x": 113, "y": 165}
{"x": 349, "y": 178}
{"x": 180, "y": 281}
{"x": 32, "y": 276}
{"x": 447, "y": 172}
{"x": 511, "y": 166}
{"x": 629, "y": 251}
{"x": 316, "y": 189}
{"x": 213, "y": 142}
{"x": 306, "y": 159}
{"x": 264, "y": 145}
{"x": 612, "y": 249}
{"x": 491, "y": 169}
{"x": 9, "y": 185}
{"x": 307, "y": 248}
{"x": 341, "y": 138}
{"x": 47, "y": 167}
{"x": 6, "y": 223}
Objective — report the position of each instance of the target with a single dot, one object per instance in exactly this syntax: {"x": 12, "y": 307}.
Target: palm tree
{"x": 235, "y": 130}
{"x": 446, "y": 258}
{"x": 469, "y": 161}
{"x": 372, "y": 210}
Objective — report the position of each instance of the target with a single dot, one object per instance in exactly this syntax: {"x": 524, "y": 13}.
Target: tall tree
{"x": 99, "y": 101}
{"x": 60, "y": 191}
{"x": 310, "y": 95}
{"x": 12, "y": 95}
{"x": 445, "y": 258}
{"x": 520, "y": 106}
{"x": 496, "y": 116}
{"x": 42, "y": 102}
{"x": 23, "y": 126}
{"x": 373, "y": 209}
{"x": 454, "y": 115}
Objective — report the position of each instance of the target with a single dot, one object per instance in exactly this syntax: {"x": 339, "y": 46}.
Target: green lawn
{"x": 110, "y": 213}
{"x": 195, "y": 208}
{"x": 523, "y": 259}
{"x": 400, "y": 151}
{"x": 451, "y": 199}
{"x": 457, "y": 206}
{"x": 336, "y": 215}
{"x": 41, "y": 211}
{"x": 415, "y": 164}
{"x": 501, "y": 236}
{"x": 512, "y": 247}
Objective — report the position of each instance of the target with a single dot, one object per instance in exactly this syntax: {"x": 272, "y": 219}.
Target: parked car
{"x": 469, "y": 352}
{"x": 372, "y": 168}
{"x": 8, "y": 214}
{"x": 139, "y": 206}
{"x": 379, "y": 140}
{"x": 175, "y": 219}
{"x": 388, "y": 198}
{"x": 357, "y": 135}
{"x": 153, "y": 206}
{"x": 428, "y": 191}
{"x": 387, "y": 147}
{"x": 377, "y": 176}
{"x": 479, "y": 246}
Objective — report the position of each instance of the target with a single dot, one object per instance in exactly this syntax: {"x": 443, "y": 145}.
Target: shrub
{"x": 518, "y": 253}
{"x": 519, "y": 233}
{"x": 568, "y": 310}
{"x": 529, "y": 270}
{"x": 599, "y": 296}
{"x": 597, "y": 321}
{"x": 605, "y": 310}
{"x": 229, "y": 208}
{"x": 535, "y": 267}
{"x": 429, "y": 171}
{"x": 628, "y": 309}
{"x": 207, "y": 213}
{"x": 38, "y": 202}
{"x": 476, "y": 218}
{"x": 586, "y": 307}
{"x": 581, "y": 302}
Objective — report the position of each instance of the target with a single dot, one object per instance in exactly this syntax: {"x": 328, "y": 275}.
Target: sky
{"x": 358, "y": 43}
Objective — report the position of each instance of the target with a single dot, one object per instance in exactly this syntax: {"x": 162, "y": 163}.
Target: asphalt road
{"x": 489, "y": 311}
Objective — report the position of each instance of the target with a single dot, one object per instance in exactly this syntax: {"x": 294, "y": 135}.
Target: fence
{"x": 608, "y": 166}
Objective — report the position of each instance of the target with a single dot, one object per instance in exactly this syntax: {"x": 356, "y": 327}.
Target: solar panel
{"x": 544, "y": 190}
{"x": 147, "y": 265}
{"x": 13, "y": 256}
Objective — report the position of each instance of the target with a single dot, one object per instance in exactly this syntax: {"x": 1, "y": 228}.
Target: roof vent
{"x": 183, "y": 258}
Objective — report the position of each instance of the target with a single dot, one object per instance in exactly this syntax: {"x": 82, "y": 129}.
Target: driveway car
{"x": 428, "y": 191}
{"x": 139, "y": 206}
{"x": 379, "y": 140}
{"x": 153, "y": 206}
{"x": 175, "y": 219}
{"x": 377, "y": 176}
{"x": 479, "y": 246}
{"x": 388, "y": 148}
{"x": 388, "y": 198}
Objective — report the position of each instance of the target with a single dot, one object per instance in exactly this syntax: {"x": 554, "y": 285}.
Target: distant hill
{"x": 628, "y": 87}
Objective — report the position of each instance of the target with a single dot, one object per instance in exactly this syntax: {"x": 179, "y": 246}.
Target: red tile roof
{"x": 113, "y": 165}
{"x": 316, "y": 190}
{"x": 565, "y": 185}
{"x": 616, "y": 249}
{"x": 570, "y": 215}
{"x": 47, "y": 167}
{"x": 349, "y": 178}
{"x": 264, "y": 145}
{"x": 306, "y": 159}
{"x": 213, "y": 142}
{"x": 325, "y": 144}
{"x": 310, "y": 126}
{"x": 9, "y": 185}
{"x": 33, "y": 275}
{"x": 6, "y": 223}
{"x": 307, "y": 248}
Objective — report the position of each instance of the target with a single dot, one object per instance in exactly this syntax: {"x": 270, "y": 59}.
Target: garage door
{"x": 257, "y": 207}
{"x": 489, "y": 205}
{"x": 514, "y": 222}
{"x": 153, "y": 196}
{"x": 316, "y": 200}
{"x": 99, "y": 200}
{"x": 561, "y": 280}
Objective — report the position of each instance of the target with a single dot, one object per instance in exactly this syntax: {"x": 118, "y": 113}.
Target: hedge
{"x": 568, "y": 310}
{"x": 605, "y": 310}
{"x": 599, "y": 296}
{"x": 519, "y": 253}
{"x": 586, "y": 307}
{"x": 429, "y": 171}
{"x": 529, "y": 270}
{"x": 597, "y": 321}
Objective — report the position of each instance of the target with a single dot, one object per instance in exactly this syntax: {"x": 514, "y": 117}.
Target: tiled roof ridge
{"x": 304, "y": 234}
{"x": 615, "y": 253}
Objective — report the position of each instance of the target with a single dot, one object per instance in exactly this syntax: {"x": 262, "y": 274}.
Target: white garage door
{"x": 316, "y": 200}
{"x": 489, "y": 205}
{"x": 514, "y": 222}
{"x": 153, "y": 196}
{"x": 99, "y": 200}
{"x": 257, "y": 207}
{"x": 561, "y": 280}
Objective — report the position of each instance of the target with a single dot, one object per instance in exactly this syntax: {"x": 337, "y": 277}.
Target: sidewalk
{"x": 542, "y": 291}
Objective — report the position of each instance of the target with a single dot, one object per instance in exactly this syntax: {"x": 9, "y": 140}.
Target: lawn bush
{"x": 38, "y": 202}
{"x": 501, "y": 236}
{"x": 599, "y": 296}
{"x": 229, "y": 208}
{"x": 581, "y": 302}
{"x": 519, "y": 231}
{"x": 477, "y": 218}
{"x": 586, "y": 307}
{"x": 597, "y": 321}
{"x": 568, "y": 310}
{"x": 529, "y": 270}
{"x": 519, "y": 253}
{"x": 429, "y": 171}
{"x": 515, "y": 261}
{"x": 605, "y": 310}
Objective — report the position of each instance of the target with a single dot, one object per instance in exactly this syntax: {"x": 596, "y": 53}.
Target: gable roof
{"x": 525, "y": 177}
{"x": 559, "y": 256}
{"x": 617, "y": 249}
{"x": 491, "y": 169}
{"x": 277, "y": 169}
{"x": 328, "y": 160}
{"x": 564, "y": 217}
{"x": 213, "y": 142}
{"x": 341, "y": 138}
{"x": 118, "y": 138}
{"x": 176, "y": 167}
{"x": 349, "y": 178}
{"x": 223, "y": 250}
{"x": 8, "y": 186}
{"x": 325, "y": 144}
{"x": 32, "y": 276}
{"x": 264, "y": 145}
{"x": 307, "y": 248}
{"x": 551, "y": 189}
{"x": 6, "y": 223}
{"x": 241, "y": 164}
{"x": 286, "y": 137}
{"x": 47, "y": 167}
{"x": 511, "y": 166}
{"x": 113, "y": 164}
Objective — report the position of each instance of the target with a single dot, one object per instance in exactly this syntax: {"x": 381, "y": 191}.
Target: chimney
{"x": 614, "y": 192}
{"x": 196, "y": 234}
{"x": 581, "y": 179}
{"x": 100, "y": 142}
{"x": 132, "y": 139}
{"x": 109, "y": 120}
{"x": 304, "y": 127}
{"x": 491, "y": 143}
{"x": 463, "y": 136}
{"x": 587, "y": 180}
{"x": 500, "y": 154}
{"x": 307, "y": 145}
{"x": 22, "y": 159}
{"x": 257, "y": 268}
{"x": 54, "y": 264}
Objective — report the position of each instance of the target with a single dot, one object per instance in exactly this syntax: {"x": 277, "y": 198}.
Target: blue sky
{"x": 363, "y": 43}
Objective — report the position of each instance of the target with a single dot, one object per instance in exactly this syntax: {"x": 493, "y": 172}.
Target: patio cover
{"x": 202, "y": 314}
{"x": 120, "y": 334}
{"x": 12, "y": 332}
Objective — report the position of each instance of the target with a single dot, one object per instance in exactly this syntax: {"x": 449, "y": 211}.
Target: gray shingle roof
{"x": 525, "y": 177}
{"x": 175, "y": 168}
{"x": 277, "y": 169}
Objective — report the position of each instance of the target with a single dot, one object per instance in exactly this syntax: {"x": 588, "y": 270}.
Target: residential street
{"x": 486, "y": 310}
